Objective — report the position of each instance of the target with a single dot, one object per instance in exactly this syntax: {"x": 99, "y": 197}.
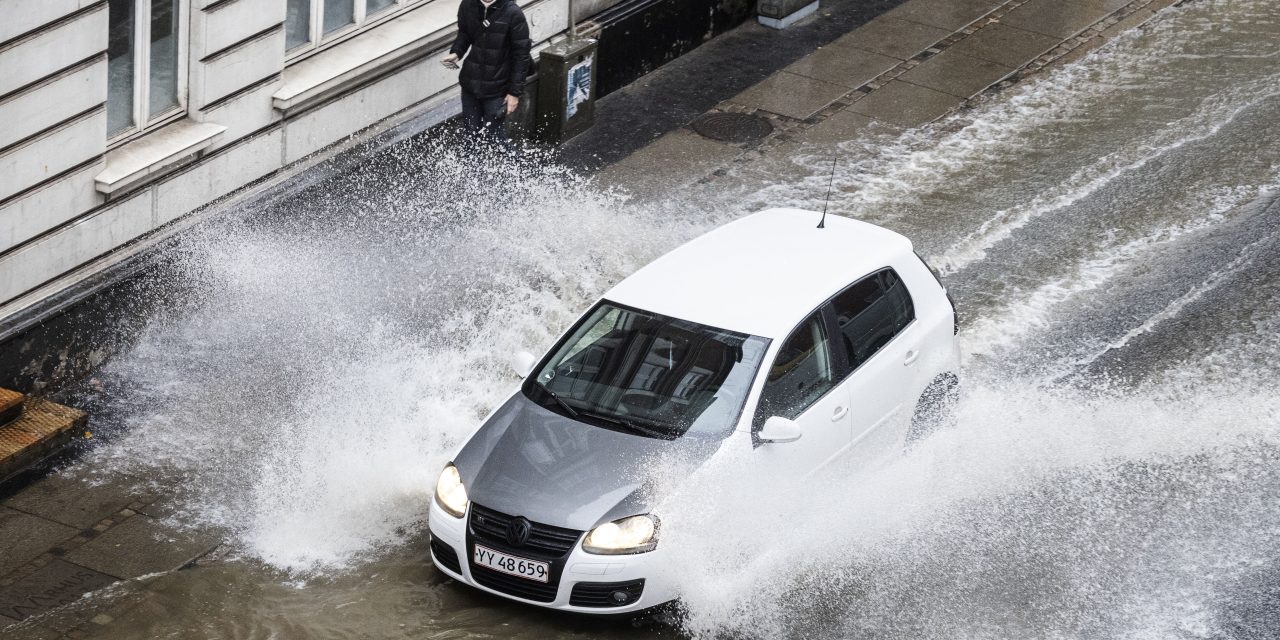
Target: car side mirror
{"x": 523, "y": 362}
{"x": 777, "y": 430}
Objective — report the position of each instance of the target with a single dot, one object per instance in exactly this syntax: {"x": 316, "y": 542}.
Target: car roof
{"x": 760, "y": 274}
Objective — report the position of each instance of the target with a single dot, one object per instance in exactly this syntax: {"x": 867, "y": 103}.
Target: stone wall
{"x": 71, "y": 195}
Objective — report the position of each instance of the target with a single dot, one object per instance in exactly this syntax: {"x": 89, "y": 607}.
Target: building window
{"x": 310, "y": 23}
{"x": 146, "y": 77}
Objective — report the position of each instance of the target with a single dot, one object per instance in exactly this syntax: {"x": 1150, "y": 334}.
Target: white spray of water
{"x": 301, "y": 395}
{"x": 1028, "y": 514}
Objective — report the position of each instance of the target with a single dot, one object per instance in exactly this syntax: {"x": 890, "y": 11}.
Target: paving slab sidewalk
{"x": 65, "y": 535}
{"x": 906, "y": 68}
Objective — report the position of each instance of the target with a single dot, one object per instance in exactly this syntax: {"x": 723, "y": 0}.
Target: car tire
{"x": 936, "y": 408}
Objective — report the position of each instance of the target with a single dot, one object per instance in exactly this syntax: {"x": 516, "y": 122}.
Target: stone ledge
{"x": 330, "y": 71}
{"x": 153, "y": 154}
{"x": 335, "y": 70}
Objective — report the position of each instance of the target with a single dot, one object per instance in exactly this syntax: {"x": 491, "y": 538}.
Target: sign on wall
{"x": 578, "y": 86}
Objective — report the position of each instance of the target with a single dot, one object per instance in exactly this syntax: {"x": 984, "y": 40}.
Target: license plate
{"x": 522, "y": 567}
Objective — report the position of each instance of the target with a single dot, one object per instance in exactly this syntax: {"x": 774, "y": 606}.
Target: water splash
{"x": 322, "y": 368}
{"x": 1048, "y": 513}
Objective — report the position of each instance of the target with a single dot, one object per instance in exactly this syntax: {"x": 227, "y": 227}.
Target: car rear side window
{"x": 801, "y": 373}
{"x": 870, "y": 313}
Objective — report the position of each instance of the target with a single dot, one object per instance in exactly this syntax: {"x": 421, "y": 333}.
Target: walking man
{"x": 492, "y": 79}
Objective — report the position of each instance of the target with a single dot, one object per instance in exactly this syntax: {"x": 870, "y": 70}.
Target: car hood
{"x": 529, "y": 461}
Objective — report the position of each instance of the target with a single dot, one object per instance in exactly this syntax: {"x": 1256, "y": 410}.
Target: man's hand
{"x": 512, "y": 103}
{"x": 450, "y": 61}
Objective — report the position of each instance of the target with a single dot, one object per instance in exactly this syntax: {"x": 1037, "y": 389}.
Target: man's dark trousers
{"x": 485, "y": 117}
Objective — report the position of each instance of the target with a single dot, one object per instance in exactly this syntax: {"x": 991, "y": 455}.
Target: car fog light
{"x": 450, "y": 494}
{"x": 636, "y": 534}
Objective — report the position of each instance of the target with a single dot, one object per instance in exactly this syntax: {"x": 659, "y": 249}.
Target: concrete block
{"x": 242, "y": 115}
{"x": 23, "y": 537}
{"x": 71, "y": 246}
{"x": 45, "y": 157}
{"x": 1005, "y": 45}
{"x": 546, "y": 19}
{"x": 677, "y": 158}
{"x": 790, "y": 95}
{"x": 956, "y": 74}
{"x": 17, "y": 19}
{"x": 216, "y": 29}
{"x": 1080, "y": 51}
{"x": 905, "y": 104}
{"x": 842, "y": 126}
{"x": 53, "y": 101}
{"x": 56, "y": 584}
{"x": 894, "y": 38}
{"x": 780, "y": 14}
{"x": 325, "y": 125}
{"x": 1058, "y": 18}
{"x": 217, "y": 176}
{"x": 53, "y": 204}
{"x": 1135, "y": 19}
{"x": 846, "y": 66}
{"x": 140, "y": 546}
{"x": 952, "y": 15}
{"x": 228, "y": 72}
{"x": 50, "y": 51}
{"x": 71, "y": 500}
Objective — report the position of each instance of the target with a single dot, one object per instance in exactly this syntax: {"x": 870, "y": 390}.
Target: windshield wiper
{"x": 631, "y": 426}
{"x": 573, "y": 413}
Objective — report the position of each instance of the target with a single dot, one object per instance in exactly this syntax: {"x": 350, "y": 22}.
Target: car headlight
{"x": 636, "y": 534}
{"x": 450, "y": 494}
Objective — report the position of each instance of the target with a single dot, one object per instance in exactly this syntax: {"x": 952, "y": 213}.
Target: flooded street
{"x": 1110, "y": 230}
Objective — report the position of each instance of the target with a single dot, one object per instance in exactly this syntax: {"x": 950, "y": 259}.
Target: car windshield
{"x": 644, "y": 373}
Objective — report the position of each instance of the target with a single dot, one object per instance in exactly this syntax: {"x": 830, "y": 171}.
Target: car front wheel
{"x": 936, "y": 407}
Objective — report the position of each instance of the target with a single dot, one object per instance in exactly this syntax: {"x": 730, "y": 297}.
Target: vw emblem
{"x": 518, "y": 532}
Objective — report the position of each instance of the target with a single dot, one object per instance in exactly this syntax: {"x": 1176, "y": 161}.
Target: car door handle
{"x": 839, "y": 413}
{"x": 911, "y": 357}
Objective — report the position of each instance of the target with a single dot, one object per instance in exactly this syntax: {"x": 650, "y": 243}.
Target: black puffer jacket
{"x": 499, "y": 60}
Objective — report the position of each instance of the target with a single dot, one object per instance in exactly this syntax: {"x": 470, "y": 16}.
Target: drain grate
{"x": 733, "y": 127}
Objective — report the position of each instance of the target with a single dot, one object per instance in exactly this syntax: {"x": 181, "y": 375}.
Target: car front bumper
{"x": 579, "y": 568}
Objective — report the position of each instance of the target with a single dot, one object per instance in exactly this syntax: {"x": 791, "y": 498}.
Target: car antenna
{"x": 822, "y": 224}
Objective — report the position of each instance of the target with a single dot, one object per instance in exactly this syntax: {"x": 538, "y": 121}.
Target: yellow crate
{"x": 42, "y": 428}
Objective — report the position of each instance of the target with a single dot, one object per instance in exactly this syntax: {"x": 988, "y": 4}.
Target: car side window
{"x": 870, "y": 313}
{"x": 801, "y": 373}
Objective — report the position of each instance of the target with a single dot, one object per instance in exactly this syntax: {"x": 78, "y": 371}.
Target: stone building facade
{"x": 120, "y": 117}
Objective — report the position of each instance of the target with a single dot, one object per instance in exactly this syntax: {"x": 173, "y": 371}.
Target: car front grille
{"x": 545, "y": 541}
{"x": 601, "y": 594}
{"x": 445, "y": 555}
{"x": 518, "y": 587}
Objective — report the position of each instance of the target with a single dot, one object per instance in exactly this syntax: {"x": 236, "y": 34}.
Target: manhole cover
{"x": 733, "y": 127}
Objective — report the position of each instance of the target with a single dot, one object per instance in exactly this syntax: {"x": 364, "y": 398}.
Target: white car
{"x": 802, "y": 344}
